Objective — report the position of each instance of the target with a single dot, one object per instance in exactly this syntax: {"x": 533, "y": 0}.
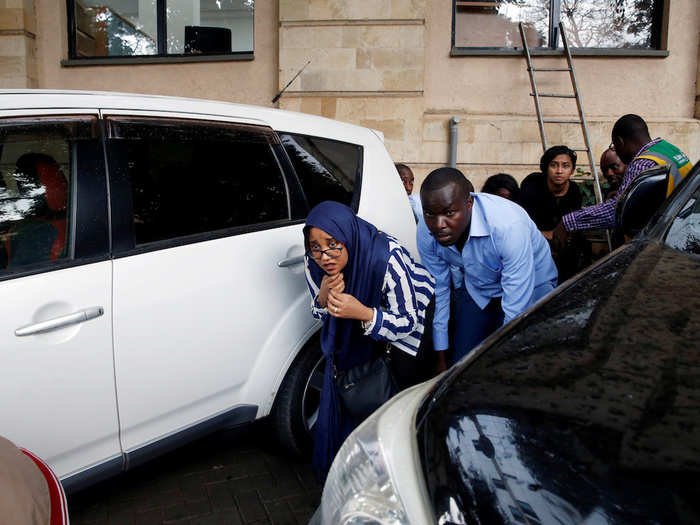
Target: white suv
{"x": 151, "y": 268}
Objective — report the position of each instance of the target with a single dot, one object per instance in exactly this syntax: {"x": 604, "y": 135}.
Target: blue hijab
{"x": 342, "y": 340}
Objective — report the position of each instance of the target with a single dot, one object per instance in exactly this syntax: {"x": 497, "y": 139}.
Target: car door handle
{"x": 291, "y": 261}
{"x": 60, "y": 322}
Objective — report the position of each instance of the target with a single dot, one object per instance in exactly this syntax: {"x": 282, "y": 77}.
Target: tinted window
{"x": 190, "y": 177}
{"x": 327, "y": 169}
{"x": 684, "y": 233}
{"x": 36, "y": 179}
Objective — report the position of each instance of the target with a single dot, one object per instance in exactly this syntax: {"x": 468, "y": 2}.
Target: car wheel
{"x": 295, "y": 409}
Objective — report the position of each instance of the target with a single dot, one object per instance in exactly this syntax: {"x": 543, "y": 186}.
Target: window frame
{"x": 161, "y": 57}
{"x": 88, "y": 199}
{"x": 659, "y": 37}
{"x": 123, "y": 237}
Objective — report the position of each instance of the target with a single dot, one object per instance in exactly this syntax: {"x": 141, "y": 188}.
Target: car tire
{"x": 295, "y": 408}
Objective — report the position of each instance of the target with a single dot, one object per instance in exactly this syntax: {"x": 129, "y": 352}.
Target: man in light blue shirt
{"x": 483, "y": 250}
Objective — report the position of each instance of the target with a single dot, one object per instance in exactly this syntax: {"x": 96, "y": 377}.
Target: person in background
{"x": 407, "y": 178}
{"x": 613, "y": 169}
{"x": 503, "y": 185}
{"x": 366, "y": 288}
{"x": 550, "y": 194}
{"x": 486, "y": 253}
{"x": 634, "y": 146}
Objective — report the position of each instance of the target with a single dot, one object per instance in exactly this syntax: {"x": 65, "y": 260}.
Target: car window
{"x": 327, "y": 169}
{"x": 37, "y": 159}
{"x": 190, "y": 177}
{"x": 684, "y": 233}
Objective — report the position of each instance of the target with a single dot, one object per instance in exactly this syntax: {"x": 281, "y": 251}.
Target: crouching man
{"x": 483, "y": 251}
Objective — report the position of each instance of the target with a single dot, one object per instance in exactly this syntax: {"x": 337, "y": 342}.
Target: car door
{"x": 56, "y": 362}
{"x": 202, "y": 216}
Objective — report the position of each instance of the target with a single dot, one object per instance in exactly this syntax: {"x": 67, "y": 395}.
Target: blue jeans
{"x": 472, "y": 324}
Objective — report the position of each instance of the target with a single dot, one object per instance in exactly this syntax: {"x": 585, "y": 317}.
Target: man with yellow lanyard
{"x": 634, "y": 146}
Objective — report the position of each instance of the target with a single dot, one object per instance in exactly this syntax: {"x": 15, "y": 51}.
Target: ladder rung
{"x": 553, "y": 95}
{"x": 559, "y": 121}
{"x": 549, "y": 69}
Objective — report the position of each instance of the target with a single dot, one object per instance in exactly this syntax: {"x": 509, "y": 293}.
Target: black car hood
{"x": 585, "y": 410}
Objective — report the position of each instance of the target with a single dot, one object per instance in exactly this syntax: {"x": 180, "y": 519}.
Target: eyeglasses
{"x": 333, "y": 253}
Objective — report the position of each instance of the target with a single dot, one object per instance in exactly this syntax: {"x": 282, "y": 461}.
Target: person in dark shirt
{"x": 549, "y": 195}
{"x": 503, "y": 185}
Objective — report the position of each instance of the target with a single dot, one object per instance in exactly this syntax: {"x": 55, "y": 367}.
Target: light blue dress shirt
{"x": 416, "y": 206}
{"x": 505, "y": 256}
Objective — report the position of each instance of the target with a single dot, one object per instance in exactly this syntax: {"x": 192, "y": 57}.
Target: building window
{"x": 588, "y": 24}
{"x": 107, "y": 29}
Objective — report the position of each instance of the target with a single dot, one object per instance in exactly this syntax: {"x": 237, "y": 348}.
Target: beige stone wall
{"x": 355, "y": 46}
{"x": 253, "y": 82}
{"x": 386, "y": 64}
{"x": 18, "y": 66}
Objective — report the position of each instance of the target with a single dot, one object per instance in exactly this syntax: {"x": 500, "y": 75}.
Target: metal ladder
{"x": 576, "y": 95}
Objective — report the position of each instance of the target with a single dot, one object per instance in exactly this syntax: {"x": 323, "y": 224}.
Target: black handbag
{"x": 364, "y": 388}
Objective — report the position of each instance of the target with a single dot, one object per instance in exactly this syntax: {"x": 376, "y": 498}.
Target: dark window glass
{"x": 600, "y": 24}
{"x": 119, "y": 28}
{"x": 684, "y": 233}
{"x": 36, "y": 179}
{"x": 327, "y": 169}
{"x": 190, "y": 177}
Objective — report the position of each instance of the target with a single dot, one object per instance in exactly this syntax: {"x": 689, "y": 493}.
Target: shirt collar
{"x": 647, "y": 146}
{"x": 478, "y": 227}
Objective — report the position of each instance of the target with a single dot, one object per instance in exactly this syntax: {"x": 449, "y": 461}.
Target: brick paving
{"x": 234, "y": 477}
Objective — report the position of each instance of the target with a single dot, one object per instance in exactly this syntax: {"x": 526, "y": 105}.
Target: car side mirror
{"x": 640, "y": 200}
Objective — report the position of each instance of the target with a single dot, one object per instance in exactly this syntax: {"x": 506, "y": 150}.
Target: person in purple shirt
{"x": 630, "y": 140}
{"x": 485, "y": 253}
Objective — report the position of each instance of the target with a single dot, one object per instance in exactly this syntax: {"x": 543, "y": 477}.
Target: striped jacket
{"x": 406, "y": 291}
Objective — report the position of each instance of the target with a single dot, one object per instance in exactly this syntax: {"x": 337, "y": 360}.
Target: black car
{"x": 586, "y": 409}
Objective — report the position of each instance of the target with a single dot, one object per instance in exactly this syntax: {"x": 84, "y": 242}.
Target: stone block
{"x": 355, "y": 109}
{"x": 16, "y": 46}
{"x": 344, "y": 10}
{"x": 436, "y": 131}
{"x": 12, "y": 19}
{"x": 328, "y": 107}
{"x": 362, "y": 59}
{"x": 311, "y": 37}
{"x": 388, "y": 36}
{"x": 412, "y": 36}
{"x": 311, "y": 105}
{"x": 393, "y": 129}
{"x": 407, "y": 80}
{"x": 408, "y": 9}
{"x": 397, "y": 58}
{"x": 11, "y": 66}
{"x": 294, "y": 9}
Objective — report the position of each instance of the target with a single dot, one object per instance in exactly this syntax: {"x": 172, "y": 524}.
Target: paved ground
{"x": 236, "y": 477}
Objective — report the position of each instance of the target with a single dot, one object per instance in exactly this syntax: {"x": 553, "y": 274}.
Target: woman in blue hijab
{"x": 365, "y": 287}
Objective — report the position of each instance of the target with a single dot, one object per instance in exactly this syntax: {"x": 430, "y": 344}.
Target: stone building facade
{"x": 387, "y": 64}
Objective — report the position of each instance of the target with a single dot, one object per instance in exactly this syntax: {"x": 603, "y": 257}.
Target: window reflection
{"x": 116, "y": 28}
{"x": 588, "y": 23}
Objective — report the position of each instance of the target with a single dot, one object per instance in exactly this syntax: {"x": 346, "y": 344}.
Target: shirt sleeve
{"x": 440, "y": 270}
{"x": 518, "y": 273}
{"x": 400, "y": 316}
{"x": 316, "y": 310}
{"x": 602, "y": 215}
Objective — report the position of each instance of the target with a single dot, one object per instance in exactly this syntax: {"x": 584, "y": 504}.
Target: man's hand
{"x": 441, "y": 361}
{"x": 330, "y": 282}
{"x": 547, "y": 234}
{"x": 345, "y": 306}
{"x": 560, "y": 237}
